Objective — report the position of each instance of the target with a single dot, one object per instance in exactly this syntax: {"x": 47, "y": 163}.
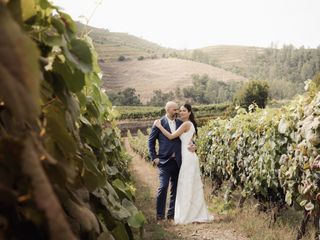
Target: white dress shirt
{"x": 172, "y": 125}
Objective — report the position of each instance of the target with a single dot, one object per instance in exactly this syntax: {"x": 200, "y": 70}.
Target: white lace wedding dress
{"x": 190, "y": 205}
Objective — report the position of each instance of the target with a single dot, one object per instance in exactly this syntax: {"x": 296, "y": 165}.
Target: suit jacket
{"x": 166, "y": 147}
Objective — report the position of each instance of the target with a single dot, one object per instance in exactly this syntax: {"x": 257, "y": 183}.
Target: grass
{"x": 254, "y": 224}
{"x": 152, "y": 230}
{"x": 145, "y": 201}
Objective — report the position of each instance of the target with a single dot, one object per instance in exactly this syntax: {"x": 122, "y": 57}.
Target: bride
{"x": 190, "y": 205}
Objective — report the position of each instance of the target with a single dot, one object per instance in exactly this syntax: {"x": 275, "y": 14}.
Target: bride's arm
{"x": 183, "y": 128}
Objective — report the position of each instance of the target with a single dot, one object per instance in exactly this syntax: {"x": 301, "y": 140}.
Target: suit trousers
{"x": 168, "y": 172}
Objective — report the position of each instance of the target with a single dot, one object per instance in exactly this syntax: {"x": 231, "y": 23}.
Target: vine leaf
{"x": 79, "y": 53}
{"x": 28, "y": 8}
{"x": 73, "y": 78}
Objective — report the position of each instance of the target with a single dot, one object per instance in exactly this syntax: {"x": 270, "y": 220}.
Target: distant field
{"x": 142, "y": 117}
{"x": 147, "y": 112}
{"x": 165, "y": 74}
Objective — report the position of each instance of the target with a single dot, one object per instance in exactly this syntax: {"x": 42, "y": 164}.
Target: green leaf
{"x": 57, "y": 129}
{"x": 93, "y": 181}
{"x": 90, "y": 162}
{"x": 79, "y": 53}
{"x": 82, "y": 99}
{"x": 122, "y": 187}
{"x": 50, "y": 38}
{"x": 111, "y": 201}
{"x": 309, "y": 206}
{"x": 73, "y": 78}
{"x": 137, "y": 220}
{"x": 105, "y": 236}
{"x": 307, "y": 189}
{"x": 90, "y": 136}
{"x": 288, "y": 198}
{"x": 85, "y": 121}
{"x": 58, "y": 25}
{"x": 44, "y": 4}
{"x": 93, "y": 110}
{"x": 303, "y": 203}
{"x": 112, "y": 170}
{"x": 28, "y": 8}
{"x": 69, "y": 23}
{"x": 119, "y": 232}
{"x": 283, "y": 126}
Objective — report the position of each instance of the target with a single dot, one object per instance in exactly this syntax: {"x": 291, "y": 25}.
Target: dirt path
{"x": 146, "y": 179}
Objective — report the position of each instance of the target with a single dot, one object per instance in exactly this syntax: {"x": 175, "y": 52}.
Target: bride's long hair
{"x": 191, "y": 117}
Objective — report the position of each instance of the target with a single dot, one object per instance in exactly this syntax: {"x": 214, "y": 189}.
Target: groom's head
{"x": 172, "y": 109}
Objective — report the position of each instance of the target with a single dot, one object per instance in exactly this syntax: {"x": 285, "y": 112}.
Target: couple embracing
{"x": 178, "y": 164}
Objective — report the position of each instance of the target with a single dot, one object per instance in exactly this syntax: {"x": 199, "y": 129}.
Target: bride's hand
{"x": 157, "y": 123}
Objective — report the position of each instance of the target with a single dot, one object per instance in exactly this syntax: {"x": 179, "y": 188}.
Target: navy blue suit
{"x": 168, "y": 167}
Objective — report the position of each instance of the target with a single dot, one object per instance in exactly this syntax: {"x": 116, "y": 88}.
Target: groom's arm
{"x": 152, "y": 142}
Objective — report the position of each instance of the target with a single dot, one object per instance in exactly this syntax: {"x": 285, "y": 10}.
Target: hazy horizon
{"x": 197, "y": 24}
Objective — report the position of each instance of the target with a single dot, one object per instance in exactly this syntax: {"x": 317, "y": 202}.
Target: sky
{"x": 189, "y": 24}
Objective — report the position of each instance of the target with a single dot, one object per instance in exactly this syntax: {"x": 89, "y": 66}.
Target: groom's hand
{"x": 192, "y": 147}
{"x": 156, "y": 162}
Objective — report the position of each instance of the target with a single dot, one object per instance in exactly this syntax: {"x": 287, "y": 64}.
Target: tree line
{"x": 286, "y": 69}
{"x": 204, "y": 90}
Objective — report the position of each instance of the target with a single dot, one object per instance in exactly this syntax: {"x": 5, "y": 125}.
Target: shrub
{"x": 121, "y": 58}
{"x": 252, "y": 92}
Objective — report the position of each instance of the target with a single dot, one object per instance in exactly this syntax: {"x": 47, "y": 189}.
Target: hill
{"x": 111, "y": 45}
{"x": 162, "y": 68}
{"x": 153, "y": 74}
{"x": 236, "y": 59}
{"x": 228, "y": 56}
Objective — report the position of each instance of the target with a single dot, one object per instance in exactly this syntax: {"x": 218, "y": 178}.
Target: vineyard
{"x": 270, "y": 155}
{"x": 63, "y": 171}
{"x": 145, "y": 112}
{"x": 139, "y": 144}
{"x": 141, "y": 118}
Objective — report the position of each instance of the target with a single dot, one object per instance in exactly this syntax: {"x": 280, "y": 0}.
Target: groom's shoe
{"x": 169, "y": 217}
{"x": 160, "y": 220}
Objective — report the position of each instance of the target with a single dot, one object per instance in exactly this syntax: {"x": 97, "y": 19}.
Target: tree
{"x": 252, "y": 92}
{"x": 126, "y": 97}
{"x": 177, "y": 93}
{"x": 159, "y": 98}
{"x": 206, "y": 90}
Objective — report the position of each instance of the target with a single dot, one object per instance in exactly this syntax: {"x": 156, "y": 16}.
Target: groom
{"x": 168, "y": 159}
